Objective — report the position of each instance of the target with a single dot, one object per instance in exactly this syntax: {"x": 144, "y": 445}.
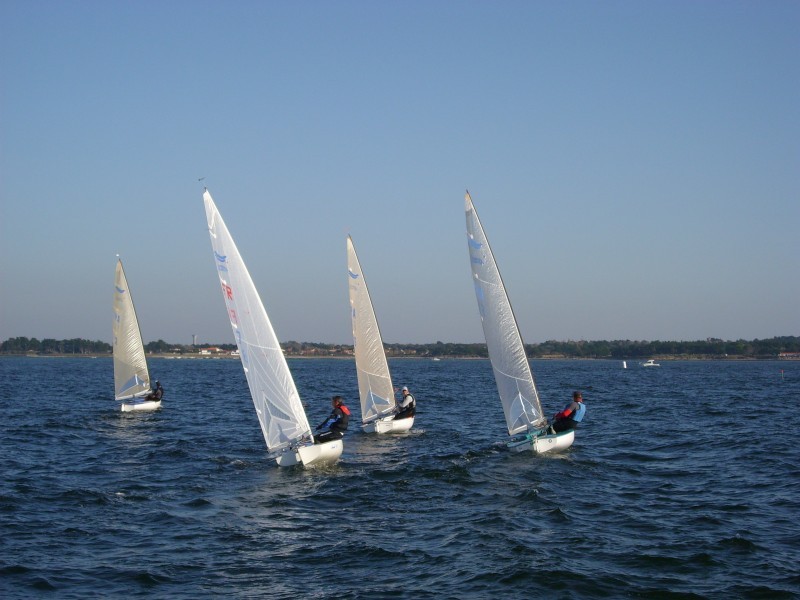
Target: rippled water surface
{"x": 683, "y": 482}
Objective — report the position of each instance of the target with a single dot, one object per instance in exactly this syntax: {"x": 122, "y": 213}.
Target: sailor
{"x": 336, "y": 422}
{"x": 407, "y": 407}
{"x": 571, "y": 415}
{"x": 156, "y": 394}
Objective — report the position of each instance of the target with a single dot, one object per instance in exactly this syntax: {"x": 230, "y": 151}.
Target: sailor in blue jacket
{"x": 572, "y": 415}
{"x": 336, "y": 422}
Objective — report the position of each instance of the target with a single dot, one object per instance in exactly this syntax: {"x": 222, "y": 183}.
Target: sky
{"x": 636, "y": 165}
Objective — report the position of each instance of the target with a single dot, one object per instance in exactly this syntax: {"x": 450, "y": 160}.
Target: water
{"x": 682, "y": 483}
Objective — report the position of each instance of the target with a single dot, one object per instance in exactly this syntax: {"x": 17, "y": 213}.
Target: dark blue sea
{"x": 683, "y": 482}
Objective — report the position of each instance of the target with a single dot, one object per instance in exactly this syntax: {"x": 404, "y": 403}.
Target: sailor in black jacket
{"x": 336, "y": 422}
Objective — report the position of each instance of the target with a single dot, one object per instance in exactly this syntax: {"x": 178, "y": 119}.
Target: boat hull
{"x": 542, "y": 444}
{"x": 389, "y": 425}
{"x": 140, "y": 405}
{"x": 317, "y": 454}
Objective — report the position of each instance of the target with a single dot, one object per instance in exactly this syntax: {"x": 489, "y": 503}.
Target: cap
{"x": 405, "y": 389}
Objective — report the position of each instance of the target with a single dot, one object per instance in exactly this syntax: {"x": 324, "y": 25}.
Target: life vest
{"x": 413, "y": 403}
{"x": 344, "y": 421}
{"x": 577, "y": 416}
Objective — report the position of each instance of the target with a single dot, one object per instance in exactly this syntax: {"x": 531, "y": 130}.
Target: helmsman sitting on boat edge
{"x": 157, "y": 393}
{"x": 407, "y": 407}
{"x": 571, "y": 415}
{"x": 336, "y": 422}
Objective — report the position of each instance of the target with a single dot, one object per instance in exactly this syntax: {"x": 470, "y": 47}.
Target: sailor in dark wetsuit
{"x": 336, "y": 422}
{"x": 156, "y": 394}
{"x": 407, "y": 407}
{"x": 572, "y": 415}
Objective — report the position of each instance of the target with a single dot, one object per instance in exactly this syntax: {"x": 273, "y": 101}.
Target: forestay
{"x": 374, "y": 382}
{"x": 131, "y": 378}
{"x": 512, "y": 372}
{"x": 277, "y": 402}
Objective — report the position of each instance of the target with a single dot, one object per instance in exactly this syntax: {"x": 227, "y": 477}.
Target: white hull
{"x": 389, "y": 425}
{"x": 317, "y": 454}
{"x": 543, "y": 443}
{"x": 141, "y": 405}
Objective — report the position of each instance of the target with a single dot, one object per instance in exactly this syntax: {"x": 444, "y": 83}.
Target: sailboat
{"x": 131, "y": 378}
{"x": 518, "y": 394}
{"x": 277, "y": 402}
{"x": 374, "y": 381}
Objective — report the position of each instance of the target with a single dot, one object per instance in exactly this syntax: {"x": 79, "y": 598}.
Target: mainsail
{"x": 374, "y": 382}
{"x": 131, "y": 378}
{"x": 280, "y": 412}
{"x": 512, "y": 372}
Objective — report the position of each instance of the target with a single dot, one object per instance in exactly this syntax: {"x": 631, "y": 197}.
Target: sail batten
{"x": 275, "y": 398}
{"x": 374, "y": 381}
{"x": 131, "y": 377}
{"x": 515, "y": 385}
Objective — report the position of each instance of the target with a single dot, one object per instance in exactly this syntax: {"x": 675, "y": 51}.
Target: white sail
{"x": 374, "y": 382}
{"x": 512, "y": 372}
{"x": 131, "y": 378}
{"x": 280, "y": 412}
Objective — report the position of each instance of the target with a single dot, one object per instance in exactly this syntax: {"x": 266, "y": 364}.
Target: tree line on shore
{"x": 616, "y": 349}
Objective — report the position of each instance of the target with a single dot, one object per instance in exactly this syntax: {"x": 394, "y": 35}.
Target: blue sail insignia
{"x": 473, "y": 245}
{"x": 221, "y": 260}
{"x": 353, "y": 275}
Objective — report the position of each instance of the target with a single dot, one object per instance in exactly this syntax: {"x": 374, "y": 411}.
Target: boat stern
{"x": 140, "y": 405}
{"x": 554, "y": 443}
{"x": 542, "y": 442}
{"x": 321, "y": 454}
{"x": 389, "y": 425}
{"x": 314, "y": 454}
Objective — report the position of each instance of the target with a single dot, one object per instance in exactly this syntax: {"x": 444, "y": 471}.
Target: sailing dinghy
{"x": 378, "y": 405}
{"x": 131, "y": 378}
{"x": 277, "y": 402}
{"x": 521, "y": 405}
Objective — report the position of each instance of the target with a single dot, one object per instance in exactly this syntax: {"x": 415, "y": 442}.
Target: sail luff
{"x": 374, "y": 381}
{"x": 277, "y": 403}
{"x": 131, "y": 377}
{"x": 515, "y": 385}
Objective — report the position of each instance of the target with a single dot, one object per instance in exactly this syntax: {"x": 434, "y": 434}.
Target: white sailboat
{"x": 374, "y": 381}
{"x": 131, "y": 378}
{"x": 277, "y": 402}
{"x": 520, "y": 400}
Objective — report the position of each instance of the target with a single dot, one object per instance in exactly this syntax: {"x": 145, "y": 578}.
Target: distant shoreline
{"x": 778, "y": 348}
{"x": 633, "y": 361}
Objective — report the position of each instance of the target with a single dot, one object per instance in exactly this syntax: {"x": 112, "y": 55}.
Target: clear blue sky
{"x": 636, "y": 164}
